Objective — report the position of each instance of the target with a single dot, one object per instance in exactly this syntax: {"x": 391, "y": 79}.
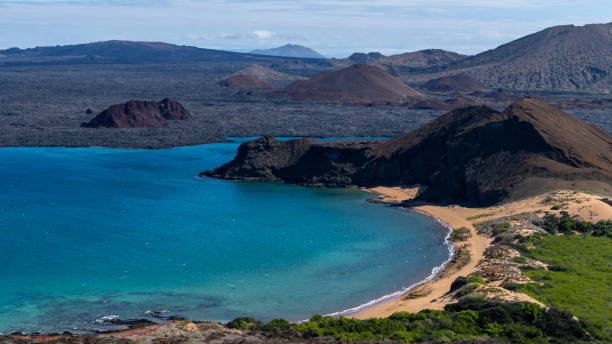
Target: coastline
{"x": 436, "y": 271}
{"x": 434, "y": 293}
{"x": 585, "y": 206}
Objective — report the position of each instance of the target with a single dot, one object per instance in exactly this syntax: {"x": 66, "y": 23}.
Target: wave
{"x": 435, "y": 271}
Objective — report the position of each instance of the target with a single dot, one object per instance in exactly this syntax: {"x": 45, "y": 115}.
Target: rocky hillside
{"x": 562, "y": 57}
{"x": 354, "y": 84}
{"x": 138, "y": 114}
{"x": 474, "y": 154}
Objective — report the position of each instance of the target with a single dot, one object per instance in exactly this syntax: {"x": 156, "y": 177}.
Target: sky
{"x": 335, "y": 28}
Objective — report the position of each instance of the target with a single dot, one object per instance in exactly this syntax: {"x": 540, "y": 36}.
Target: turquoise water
{"x": 92, "y": 232}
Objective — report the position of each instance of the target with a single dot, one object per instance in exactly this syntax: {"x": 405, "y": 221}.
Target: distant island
{"x": 290, "y": 50}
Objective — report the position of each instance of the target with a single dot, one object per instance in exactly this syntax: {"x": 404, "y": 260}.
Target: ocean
{"x": 88, "y": 234}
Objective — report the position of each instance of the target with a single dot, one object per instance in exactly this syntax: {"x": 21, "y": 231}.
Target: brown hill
{"x": 453, "y": 83}
{"x": 354, "y": 84}
{"x": 135, "y": 114}
{"x": 562, "y": 57}
{"x": 399, "y": 64}
{"x": 474, "y": 155}
{"x": 245, "y": 81}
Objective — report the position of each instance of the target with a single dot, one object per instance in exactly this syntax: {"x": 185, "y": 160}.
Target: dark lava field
{"x": 45, "y": 105}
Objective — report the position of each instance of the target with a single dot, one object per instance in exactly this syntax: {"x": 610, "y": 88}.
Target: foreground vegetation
{"x": 468, "y": 319}
{"x": 578, "y": 279}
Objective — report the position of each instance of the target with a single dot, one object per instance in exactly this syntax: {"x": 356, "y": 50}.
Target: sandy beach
{"x": 433, "y": 295}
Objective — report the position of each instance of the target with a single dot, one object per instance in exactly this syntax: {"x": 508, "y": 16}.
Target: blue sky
{"x": 335, "y": 28}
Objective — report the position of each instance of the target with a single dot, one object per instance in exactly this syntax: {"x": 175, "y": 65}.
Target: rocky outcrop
{"x": 137, "y": 114}
{"x": 475, "y": 155}
{"x": 245, "y": 81}
{"x": 354, "y": 84}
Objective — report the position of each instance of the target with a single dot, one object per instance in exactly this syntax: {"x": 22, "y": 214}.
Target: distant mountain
{"x": 562, "y": 58}
{"x": 354, "y": 84}
{"x": 290, "y": 50}
{"x": 403, "y": 63}
{"x": 245, "y": 81}
{"x": 422, "y": 59}
{"x": 475, "y": 155}
{"x": 139, "y": 114}
{"x": 126, "y": 52}
{"x": 266, "y": 73}
{"x": 363, "y": 58}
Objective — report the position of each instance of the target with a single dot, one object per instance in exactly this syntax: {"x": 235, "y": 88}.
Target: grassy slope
{"x": 583, "y": 283}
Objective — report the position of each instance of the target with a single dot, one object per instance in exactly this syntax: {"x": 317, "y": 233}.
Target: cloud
{"x": 263, "y": 34}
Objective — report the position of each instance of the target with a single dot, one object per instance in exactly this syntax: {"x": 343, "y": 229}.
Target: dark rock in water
{"x": 89, "y": 111}
{"x": 245, "y": 81}
{"x": 135, "y": 113}
{"x": 475, "y": 155}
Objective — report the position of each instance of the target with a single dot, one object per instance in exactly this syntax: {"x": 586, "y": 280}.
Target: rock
{"x": 137, "y": 114}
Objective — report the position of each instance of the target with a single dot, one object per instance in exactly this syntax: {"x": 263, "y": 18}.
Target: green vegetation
{"x": 579, "y": 278}
{"x": 475, "y": 217}
{"x": 566, "y": 224}
{"x": 468, "y": 319}
{"x": 460, "y": 234}
{"x": 558, "y": 206}
{"x": 520, "y": 260}
{"x": 502, "y": 227}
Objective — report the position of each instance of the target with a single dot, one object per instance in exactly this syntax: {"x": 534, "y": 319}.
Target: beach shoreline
{"x": 434, "y": 293}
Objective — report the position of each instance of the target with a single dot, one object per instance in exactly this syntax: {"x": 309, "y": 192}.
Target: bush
{"x": 243, "y": 323}
{"x": 502, "y": 227}
{"x": 466, "y": 290}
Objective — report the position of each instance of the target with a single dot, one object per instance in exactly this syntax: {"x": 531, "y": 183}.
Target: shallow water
{"x": 93, "y": 232}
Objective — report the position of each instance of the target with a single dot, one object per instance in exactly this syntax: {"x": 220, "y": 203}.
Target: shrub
{"x": 243, "y": 323}
{"x": 502, "y": 227}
